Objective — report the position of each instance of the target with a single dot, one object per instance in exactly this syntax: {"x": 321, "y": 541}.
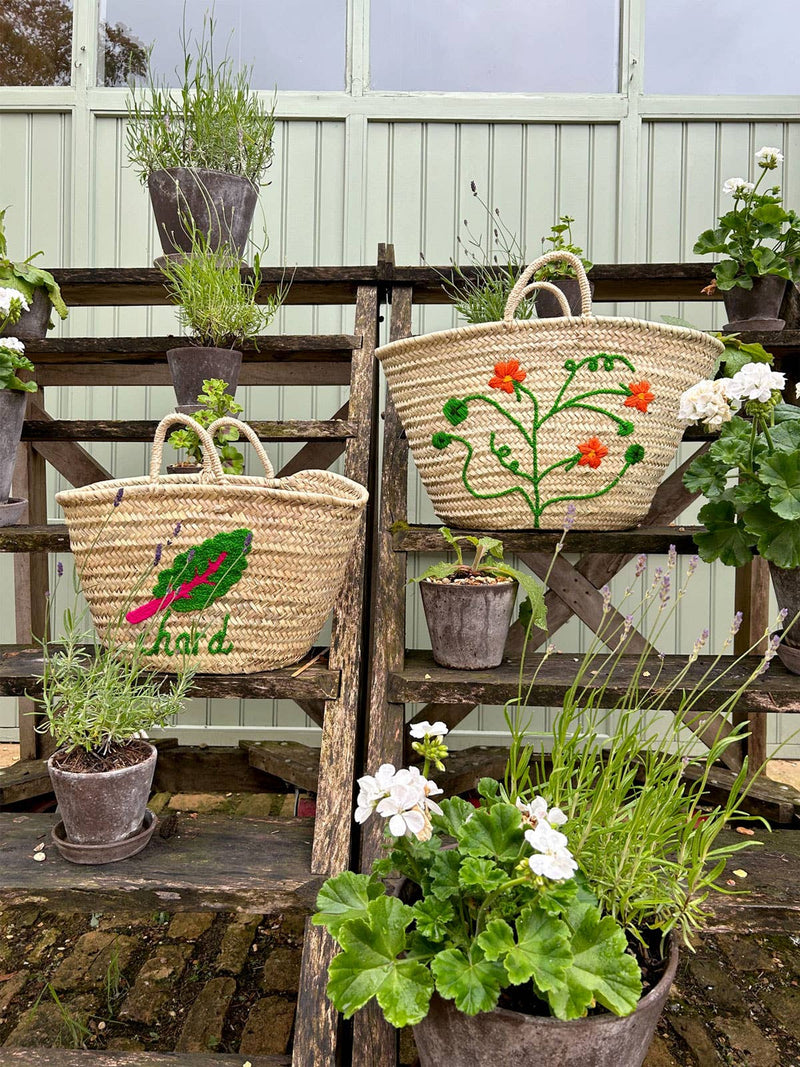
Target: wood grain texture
{"x": 140, "y": 374}
{"x": 639, "y": 539}
{"x": 43, "y": 537}
{"x": 68, "y": 458}
{"x": 317, "y": 455}
{"x": 287, "y": 760}
{"x": 769, "y": 900}
{"x": 144, "y": 430}
{"x": 334, "y": 348}
{"x": 751, "y": 597}
{"x": 57, "y": 1057}
{"x": 317, "y": 1025}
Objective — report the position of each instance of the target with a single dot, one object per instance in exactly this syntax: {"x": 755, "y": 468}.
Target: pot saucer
{"x": 754, "y": 326}
{"x": 11, "y": 512}
{"x": 97, "y": 854}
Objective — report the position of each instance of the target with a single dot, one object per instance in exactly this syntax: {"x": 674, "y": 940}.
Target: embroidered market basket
{"x": 236, "y": 574}
{"x": 512, "y": 422}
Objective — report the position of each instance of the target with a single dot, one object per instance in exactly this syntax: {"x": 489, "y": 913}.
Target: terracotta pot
{"x": 32, "y": 324}
{"x": 103, "y": 807}
{"x": 221, "y": 206}
{"x": 468, "y": 624}
{"x": 547, "y": 305}
{"x": 757, "y": 308}
{"x": 500, "y": 1038}
{"x": 12, "y": 415}
{"x": 190, "y": 367}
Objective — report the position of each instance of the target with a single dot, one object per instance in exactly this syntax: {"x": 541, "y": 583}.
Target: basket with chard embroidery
{"x": 231, "y": 574}
{"x": 512, "y": 422}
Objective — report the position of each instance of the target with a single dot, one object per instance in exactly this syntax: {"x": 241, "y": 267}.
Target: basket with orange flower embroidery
{"x": 512, "y": 422}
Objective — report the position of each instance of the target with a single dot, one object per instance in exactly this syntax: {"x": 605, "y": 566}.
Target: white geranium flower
{"x": 404, "y": 809}
{"x": 553, "y": 858}
{"x": 12, "y": 344}
{"x": 734, "y": 186}
{"x": 9, "y": 296}
{"x": 708, "y": 402}
{"x": 755, "y": 381}
{"x": 537, "y": 811}
{"x": 372, "y": 788}
{"x": 432, "y": 729}
{"x": 769, "y": 158}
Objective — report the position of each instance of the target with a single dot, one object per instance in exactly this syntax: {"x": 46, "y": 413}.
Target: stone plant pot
{"x": 221, "y": 206}
{"x": 12, "y": 415}
{"x": 468, "y": 624}
{"x": 786, "y": 584}
{"x": 103, "y": 807}
{"x": 32, "y": 324}
{"x": 502, "y": 1038}
{"x": 757, "y": 308}
{"x": 547, "y": 306}
{"x": 190, "y": 367}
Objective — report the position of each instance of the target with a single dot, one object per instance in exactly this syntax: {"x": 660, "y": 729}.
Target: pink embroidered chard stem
{"x": 152, "y": 607}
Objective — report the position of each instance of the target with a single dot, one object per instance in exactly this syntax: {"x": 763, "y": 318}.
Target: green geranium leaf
{"x": 495, "y": 832}
{"x": 747, "y": 493}
{"x": 455, "y": 812}
{"x": 369, "y": 966}
{"x": 726, "y": 538}
{"x": 558, "y": 897}
{"x": 781, "y": 472}
{"x": 497, "y": 940}
{"x": 483, "y": 873}
{"x": 488, "y": 788}
{"x": 444, "y": 874}
{"x": 432, "y": 917}
{"x": 785, "y": 437}
{"x": 730, "y": 451}
{"x": 786, "y": 412}
{"x": 706, "y": 475}
{"x": 602, "y": 970}
{"x": 676, "y": 320}
{"x": 473, "y": 982}
{"x": 777, "y": 540}
{"x": 344, "y": 897}
{"x": 542, "y": 950}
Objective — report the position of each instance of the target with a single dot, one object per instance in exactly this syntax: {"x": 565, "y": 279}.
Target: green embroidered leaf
{"x": 345, "y": 896}
{"x": 481, "y": 872}
{"x": 205, "y": 573}
{"x": 441, "y": 439}
{"x": 634, "y": 454}
{"x": 706, "y": 475}
{"x": 726, "y": 537}
{"x": 473, "y": 982}
{"x": 495, "y": 832}
{"x": 601, "y": 971}
{"x": 781, "y": 472}
{"x": 369, "y": 966}
{"x": 432, "y": 917}
{"x": 455, "y": 410}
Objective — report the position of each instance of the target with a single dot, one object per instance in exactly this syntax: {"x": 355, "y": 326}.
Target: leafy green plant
{"x": 213, "y": 121}
{"x": 560, "y": 239}
{"x": 27, "y": 278}
{"x": 736, "y": 354}
{"x": 74, "y": 1030}
{"x": 758, "y": 236}
{"x": 12, "y": 350}
{"x": 216, "y": 402}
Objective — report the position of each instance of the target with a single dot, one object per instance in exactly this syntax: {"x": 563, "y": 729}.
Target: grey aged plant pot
{"x": 12, "y": 415}
{"x": 468, "y": 624}
{"x": 103, "y": 807}
{"x": 757, "y": 308}
{"x": 190, "y": 367}
{"x": 547, "y": 306}
{"x": 500, "y": 1038}
{"x": 221, "y": 206}
{"x": 32, "y": 324}
{"x": 786, "y": 584}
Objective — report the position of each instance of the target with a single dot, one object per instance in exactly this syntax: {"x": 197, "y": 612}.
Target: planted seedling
{"x": 216, "y": 403}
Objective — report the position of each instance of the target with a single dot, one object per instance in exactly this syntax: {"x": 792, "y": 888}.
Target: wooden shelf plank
{"x": 426, "y": 538}
{"x": 23, "y": 538}
{"x": 336, "y": 348}
{"x": 191, "y": 864}
{"x": 59, "y": 1057}
{"x": 21, "y": 670}
{"x": 144, "y": 429}
{"x": 768, "y": 900}
{"x": 423, "y": 680}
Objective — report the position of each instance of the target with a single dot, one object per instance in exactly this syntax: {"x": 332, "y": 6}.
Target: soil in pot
{"x": 221, "y": 206}
{"x": 32, "y": 324}
{"x": 12, "y": 415}
{"x": 468, "y": 616}
{"x": 102, "y": 798}
{"x": 190, "y": 367}
{"x": 757, "y": 308}
{"x": 184, "y": 468}
{"x": 547, "y": 305}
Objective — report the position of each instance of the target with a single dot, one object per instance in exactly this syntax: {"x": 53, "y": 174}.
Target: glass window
{"x": 298, "y": 45}
{"x": 722, "y": 46}
{"x": 35, "y": 42}
{"x": 495, "y": 46}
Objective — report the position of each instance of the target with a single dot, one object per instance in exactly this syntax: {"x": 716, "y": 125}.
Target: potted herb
{"x": 468, "y": 606}
{"x": 561, "y": 275}
{"x": 37, "y": 287}
{"x": 760, "y": 240}
{"x": 749, "y": 476}
{"x": 545, "y": 924}
{"x": 218, "y": 306}
{"x": 215, "y": 402}
{"x": 13, "y": 396}
{"x": 203, "y": 149}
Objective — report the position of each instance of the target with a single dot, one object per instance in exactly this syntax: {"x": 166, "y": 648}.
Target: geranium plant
{"x": 216, "y": 403}
{"x": 758, "y": 236}
{"x": 560, "y": 239}
{"x": 27, "y": 278}
{"x": 12, "y": 350}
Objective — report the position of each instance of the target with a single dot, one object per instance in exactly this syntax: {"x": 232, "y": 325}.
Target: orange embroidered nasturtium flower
{"x": 592, "y": 452}
{"x": 640, "y": 396}
{"x": 505, "y": 374}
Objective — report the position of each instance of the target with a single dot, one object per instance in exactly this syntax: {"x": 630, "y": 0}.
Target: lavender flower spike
{"x": 247, "y": 542}
{"x": 177, "y": 529}
{"x": 569, "y": 516}
{"x": 119, "y": 496}
{"x": 736, "y": 625}
{"x": 59, "y": 569}
{"x": 641, "y": 563}
{"x": 672, "y": 556}
{"x": 157, "y": 557}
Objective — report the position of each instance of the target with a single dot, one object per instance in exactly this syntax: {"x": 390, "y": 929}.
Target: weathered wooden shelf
{"x": 59, "y": 1057}
{"x": 336, "y": 348}
{"x": 423, "y": 680}
{"x": 768, "y": 899}
{"x": 144, "y": 429}
{"x": 21, "y": 670}
{"x": 24, "y": 538}
{"x": 426, "y": 538}
{"x": 204, "y": 863}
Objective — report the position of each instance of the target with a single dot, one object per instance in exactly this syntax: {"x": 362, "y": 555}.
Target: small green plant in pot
{"x": 215, "y": 403}
{"x": 13, "y": 396}
{"x": 37, "y": 287}
{"x": 201, "y": 150}
{"x": 468, "y": 605}
{"x": 561, "y": 275}
{"x": 760, "y": 242}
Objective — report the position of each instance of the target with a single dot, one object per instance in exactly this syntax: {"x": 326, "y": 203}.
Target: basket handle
{"x": 247, "y": 431}
{"x": 516, "y": 293}
{"x": 212, "y": 468}
{"x": 532, "y": 288}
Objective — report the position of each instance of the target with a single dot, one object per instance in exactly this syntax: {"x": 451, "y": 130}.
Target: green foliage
{"x": 216, "y": 402}
{"x": 191, "y": 565}
{"x": 214, "y": 120}
{"x": 560, "y": 240}
{"x": 12, "y": 361}
{"x": 26, "y": 277}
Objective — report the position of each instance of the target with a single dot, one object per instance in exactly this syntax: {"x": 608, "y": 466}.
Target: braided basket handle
{"x": 532, "y": 288}
{"x": 517, "y": 292}
{"x": 212, "y": 468}
{"x": 246, "y": 431}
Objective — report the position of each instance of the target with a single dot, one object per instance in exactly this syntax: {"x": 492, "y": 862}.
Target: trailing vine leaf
{"x": 344, "y": 897}
{"x": 472, "y": 981}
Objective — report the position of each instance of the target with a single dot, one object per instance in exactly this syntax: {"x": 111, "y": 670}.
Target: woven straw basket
{"x": 511, "y": 423}
{"x": 234, "y": 574}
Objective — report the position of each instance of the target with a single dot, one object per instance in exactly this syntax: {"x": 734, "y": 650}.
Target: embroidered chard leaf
{"x": 198, "y": 576}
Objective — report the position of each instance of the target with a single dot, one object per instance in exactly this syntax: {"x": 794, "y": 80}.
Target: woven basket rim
{"x": 479, "y": 329}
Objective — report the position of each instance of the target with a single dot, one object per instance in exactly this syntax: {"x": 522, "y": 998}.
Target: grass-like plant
{"x": 214, "y": 120}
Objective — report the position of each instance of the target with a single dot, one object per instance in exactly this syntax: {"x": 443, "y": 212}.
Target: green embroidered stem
{"x": 625, "y": 425}
{"x": 569, "y": 463}
{"x": 486, "y": 496}
{"x": 501, "y": 454}
{"x": 586, "y": 496}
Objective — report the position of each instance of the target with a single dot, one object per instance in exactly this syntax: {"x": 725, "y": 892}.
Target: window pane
{"x": 35, "y": 42}
{"x": 299, "y": 45}
{"x": 495, "y": 46}
{"x": 722, "y": 46}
